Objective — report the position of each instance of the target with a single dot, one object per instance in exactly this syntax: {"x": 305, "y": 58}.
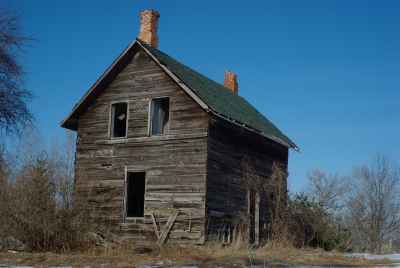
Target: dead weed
{"x": 210, "y": 255}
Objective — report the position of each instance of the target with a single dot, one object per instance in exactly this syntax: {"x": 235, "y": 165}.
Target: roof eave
{"x": 290, "y": 146}
{"x": 70, "y": 121}
{"x": 227, "y": 118}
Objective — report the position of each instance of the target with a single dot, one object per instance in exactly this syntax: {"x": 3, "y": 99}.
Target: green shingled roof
{"x": 219, "y": 98}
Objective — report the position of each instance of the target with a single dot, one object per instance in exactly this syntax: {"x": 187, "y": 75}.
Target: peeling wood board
{"x": 155, "y": 226}
{"x": 167, "y": 228}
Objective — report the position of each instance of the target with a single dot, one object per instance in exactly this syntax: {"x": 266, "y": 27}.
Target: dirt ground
{"x": 175, "y": 255}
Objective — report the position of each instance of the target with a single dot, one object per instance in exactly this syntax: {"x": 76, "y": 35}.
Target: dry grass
{"x": 210, "y": 255}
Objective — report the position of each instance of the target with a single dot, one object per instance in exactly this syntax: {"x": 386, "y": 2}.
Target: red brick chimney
{"x": 149, "y": 26}
{"x": 230, "y": 82}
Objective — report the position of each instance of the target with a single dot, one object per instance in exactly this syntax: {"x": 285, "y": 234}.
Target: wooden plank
{"x": 248, "y": 201}
{"x": 257, "y": 219}
{"x": 225, "y": 194}
{"x": 254, "y": 144}
{"x": 178, "y": 218}
{"x": 155, "y": 138}
{"x": 190, "y": 221}
{"x": 184, "y": 235}
{"x": 189, "y": 190}
{"x": 167, "y": 228}
{"x": 155, "y": 226}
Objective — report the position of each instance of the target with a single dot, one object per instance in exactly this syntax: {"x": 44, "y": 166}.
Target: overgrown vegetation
{"x": 360, "y": 211}
{"x": 314, "y": 226}
{"x": 37, "y": 208}
{"x": 300, "y": 220}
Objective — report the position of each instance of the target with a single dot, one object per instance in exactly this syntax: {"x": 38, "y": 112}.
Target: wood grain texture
{"x": 228, "y": 144}
{"x": 167, "y": 228}
{"x": 175, "y": 164}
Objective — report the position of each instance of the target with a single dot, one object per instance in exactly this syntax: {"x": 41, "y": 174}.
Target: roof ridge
{"x": 220, "y": 99}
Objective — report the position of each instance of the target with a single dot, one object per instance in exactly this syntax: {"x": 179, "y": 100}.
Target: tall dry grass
{"x": 37, "y": 208}
{"x": 209, "y": 255}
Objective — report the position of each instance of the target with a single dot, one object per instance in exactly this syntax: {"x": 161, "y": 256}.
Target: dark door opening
{"x": 135, "y": 190}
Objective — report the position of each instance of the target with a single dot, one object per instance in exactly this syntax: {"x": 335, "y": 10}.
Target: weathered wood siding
{"x": 175, "y": 164}
{"x": 226, "y": 197}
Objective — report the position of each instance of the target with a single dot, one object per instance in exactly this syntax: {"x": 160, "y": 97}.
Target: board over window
{"x": 159, "y": 116}
{"x": 135, "y": 192}
{"x": 119, "y": 112}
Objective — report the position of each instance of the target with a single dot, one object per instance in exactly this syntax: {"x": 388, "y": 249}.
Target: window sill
{"x": 118, "y": 138}
{"x": 133, "y": 220}
{"x": 153, "y": 138}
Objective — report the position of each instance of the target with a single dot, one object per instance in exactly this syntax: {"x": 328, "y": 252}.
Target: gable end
{"x": 70, "y": 122}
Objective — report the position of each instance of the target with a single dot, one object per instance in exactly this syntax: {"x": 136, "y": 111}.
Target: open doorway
{"x": 135, "y": 191}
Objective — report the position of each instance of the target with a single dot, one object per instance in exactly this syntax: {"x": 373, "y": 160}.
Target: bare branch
{"x": 14, "y": 96}
{"x": 327, "y": 189}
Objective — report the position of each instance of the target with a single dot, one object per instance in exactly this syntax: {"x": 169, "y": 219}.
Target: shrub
{"x": 312, "y": 226}
{"x": 34, "y": 215}
{"x": 37, "y": 208}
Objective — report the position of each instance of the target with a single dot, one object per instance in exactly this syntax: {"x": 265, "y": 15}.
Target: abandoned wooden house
{"x": 160, "y": 147}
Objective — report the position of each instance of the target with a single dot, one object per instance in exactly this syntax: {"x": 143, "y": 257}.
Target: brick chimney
{"x": 149, "y": 26}
{"x": 230, "y": 82}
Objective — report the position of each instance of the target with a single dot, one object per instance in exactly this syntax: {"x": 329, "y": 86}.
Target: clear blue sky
{"x": 325, "y": 73}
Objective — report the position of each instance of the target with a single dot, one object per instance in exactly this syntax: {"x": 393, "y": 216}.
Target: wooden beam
{"x": 257, "y": 220}
{"x": 179, "y": 218}
{"x": 154, "y": 138}
{"x": 248, "y": 200}
{"x": 155, "y": 226}
{"x": 190, "y": 221}
{"x": 167, "y": 228}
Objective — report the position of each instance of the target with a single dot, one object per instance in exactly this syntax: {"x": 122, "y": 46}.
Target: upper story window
{"x": 159, "y": 116}
{"x": 119, "y": 112}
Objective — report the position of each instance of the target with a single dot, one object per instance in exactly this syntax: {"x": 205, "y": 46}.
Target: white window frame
{"x": 151, "y": 116}
{"x": 111, "y": 120}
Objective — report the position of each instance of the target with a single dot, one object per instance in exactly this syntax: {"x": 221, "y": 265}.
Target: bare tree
{"x": 61, "y": 158}
{"x": 373, "y": 202}
{"x": 14, "y": 96}
{"x": 327, "y": 189}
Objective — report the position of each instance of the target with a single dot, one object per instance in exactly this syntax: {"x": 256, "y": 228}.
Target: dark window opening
{"x": 135, "y": 190}
{"x": 159, "y": 116}
{"x": 118, "y": 120}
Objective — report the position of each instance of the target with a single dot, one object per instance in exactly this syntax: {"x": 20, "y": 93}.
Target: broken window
{"x": 135, "y": 190}
{"x": 159, "y": 116}
{"x": 119, "y": 113}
